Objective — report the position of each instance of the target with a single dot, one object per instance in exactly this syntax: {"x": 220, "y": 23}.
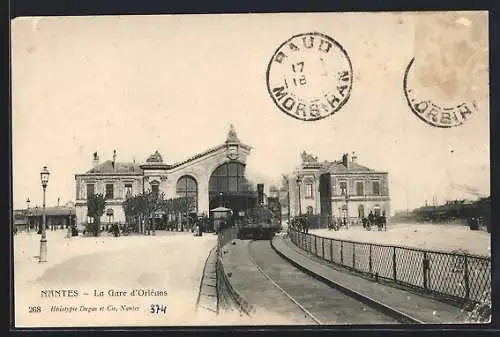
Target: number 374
{"x": 158, "y": 309}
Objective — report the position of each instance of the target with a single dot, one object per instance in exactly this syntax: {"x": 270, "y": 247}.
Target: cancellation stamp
{"x": 309, "y": 76}
{"x": 437, "y": 115}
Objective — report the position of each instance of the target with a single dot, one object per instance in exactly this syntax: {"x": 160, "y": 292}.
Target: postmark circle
{"x": 309, "y": 76}
{"x": 433, "y": 113}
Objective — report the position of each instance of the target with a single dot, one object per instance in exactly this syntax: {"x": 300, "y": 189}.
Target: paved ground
{"x": 272, "y": 307}
{"x": 427, "y": 236}
{"x": 422, "y": 308}
{"x": 328, "y": 305}
{"x": 171, "y": 262}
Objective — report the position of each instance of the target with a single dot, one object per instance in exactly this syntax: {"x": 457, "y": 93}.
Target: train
{"x": 259, "y": 223}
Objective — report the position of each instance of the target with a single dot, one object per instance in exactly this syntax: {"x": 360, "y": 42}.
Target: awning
{"x": 221, "y": 209}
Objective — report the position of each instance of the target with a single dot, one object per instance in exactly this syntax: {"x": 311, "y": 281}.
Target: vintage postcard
{"x": 251, "y": 169}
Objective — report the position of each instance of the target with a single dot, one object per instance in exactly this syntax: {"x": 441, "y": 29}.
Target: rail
{"x": 462, "y": 278}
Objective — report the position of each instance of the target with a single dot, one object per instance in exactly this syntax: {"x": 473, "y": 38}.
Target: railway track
{"x": 322, "y": 303}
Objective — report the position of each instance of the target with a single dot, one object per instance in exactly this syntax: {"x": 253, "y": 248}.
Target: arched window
{"x": 361, "y": 211}
{"x": 188, "y": 187}
{"x": 229, "y": 177}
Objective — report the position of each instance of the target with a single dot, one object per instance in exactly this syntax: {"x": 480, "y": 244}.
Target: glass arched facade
{"x": 188, "y": 187}
{"x": 229, "y": 178}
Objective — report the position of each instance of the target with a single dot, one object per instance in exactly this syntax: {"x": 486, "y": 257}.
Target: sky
{"x": 174, "y": 83}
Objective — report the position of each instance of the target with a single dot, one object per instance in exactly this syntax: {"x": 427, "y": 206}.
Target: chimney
{"x": 345, "y": 160}
{"x": 95, "y": 161}
{"x": 354, "y": 157}
{"x": 114, "y": 159}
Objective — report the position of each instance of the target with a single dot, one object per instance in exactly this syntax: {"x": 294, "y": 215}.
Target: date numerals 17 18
{"x": 298, "y": 69}
{"x": 158, "y": 309}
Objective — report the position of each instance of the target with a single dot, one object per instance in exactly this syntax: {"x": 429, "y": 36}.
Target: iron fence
{"x": 459, "y": 277}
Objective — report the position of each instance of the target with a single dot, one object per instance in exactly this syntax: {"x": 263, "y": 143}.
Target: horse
{"x": 381, "y": 222}
{"x": 366, "y": 224}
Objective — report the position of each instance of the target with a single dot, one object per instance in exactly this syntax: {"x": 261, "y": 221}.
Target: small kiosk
{"x": 221, "y": 218}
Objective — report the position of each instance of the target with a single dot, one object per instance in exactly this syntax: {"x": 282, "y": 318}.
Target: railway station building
{"x": 215, "y": 177}
{"x": 342, "y": 188}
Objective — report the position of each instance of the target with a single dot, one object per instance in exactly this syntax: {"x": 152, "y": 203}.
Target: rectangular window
{"x": 343, "y": 188}
{"x": 155, "y": 189}
{"x": 90, "y": 190}
{"x": 128, "y": 190}
{"x": 109, "y": 191}
{"x": 360, "y": 191}
{"x": 376, "y": 188}
{"x": 309, "y": 191}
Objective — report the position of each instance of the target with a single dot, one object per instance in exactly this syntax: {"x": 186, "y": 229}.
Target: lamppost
{"x": 220, "y": 198}
{"x": 28, "y": 214}
{"x": 36, "y": 219}
{"x": 44, "y": 177}
{"x": 70, "y": 234}
{"x": 347, "y": 208}
{"x": 285, "y": 178}
{"x": 299, "y": 182}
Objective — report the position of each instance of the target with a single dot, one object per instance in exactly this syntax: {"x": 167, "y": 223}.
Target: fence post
{"x": 370, "y": 261}
{"x": 323, "y": 248}
{"x": 354, "y": 255}
{"x": 331, "y": 249}
{"x": 466, "y": 278}
{"x": 425, "y": 266}
{"x": 394, "y": 264}
{"x": 342, "y": 252}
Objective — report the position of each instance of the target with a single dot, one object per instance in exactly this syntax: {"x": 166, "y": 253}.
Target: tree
{"x": 152, "y": 204}
{"x": 95, "y": 209}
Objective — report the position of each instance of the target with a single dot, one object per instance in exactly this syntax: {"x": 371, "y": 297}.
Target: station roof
{"x": 107, "y": 167}
{"x": 49, "y": 211}
{"x": 339, "y": 167}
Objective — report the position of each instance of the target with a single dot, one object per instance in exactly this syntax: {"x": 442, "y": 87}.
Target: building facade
{"x": 56, "y": 217}
{"x": 342, "y": 188}
{"x": 214, "y": 177}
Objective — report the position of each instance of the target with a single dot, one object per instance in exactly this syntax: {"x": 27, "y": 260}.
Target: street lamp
{"x": 347, "y": 209}
{"x": 44, "y": 177}
{"x": 220, "y": 198}
{"x": 299, "y": 182}
{"x": 36, "y": 219}
{"x": 28, "y": 213}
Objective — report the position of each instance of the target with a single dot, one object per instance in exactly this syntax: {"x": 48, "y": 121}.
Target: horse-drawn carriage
{"x": 380, "y": 221}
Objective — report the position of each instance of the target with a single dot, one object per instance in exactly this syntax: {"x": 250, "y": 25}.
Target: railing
{"x": 227, "y": 297}
{"x": 459, "y": 277}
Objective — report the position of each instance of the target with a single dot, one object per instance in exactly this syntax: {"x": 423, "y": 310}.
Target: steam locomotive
{"x": 260, "y": 223}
